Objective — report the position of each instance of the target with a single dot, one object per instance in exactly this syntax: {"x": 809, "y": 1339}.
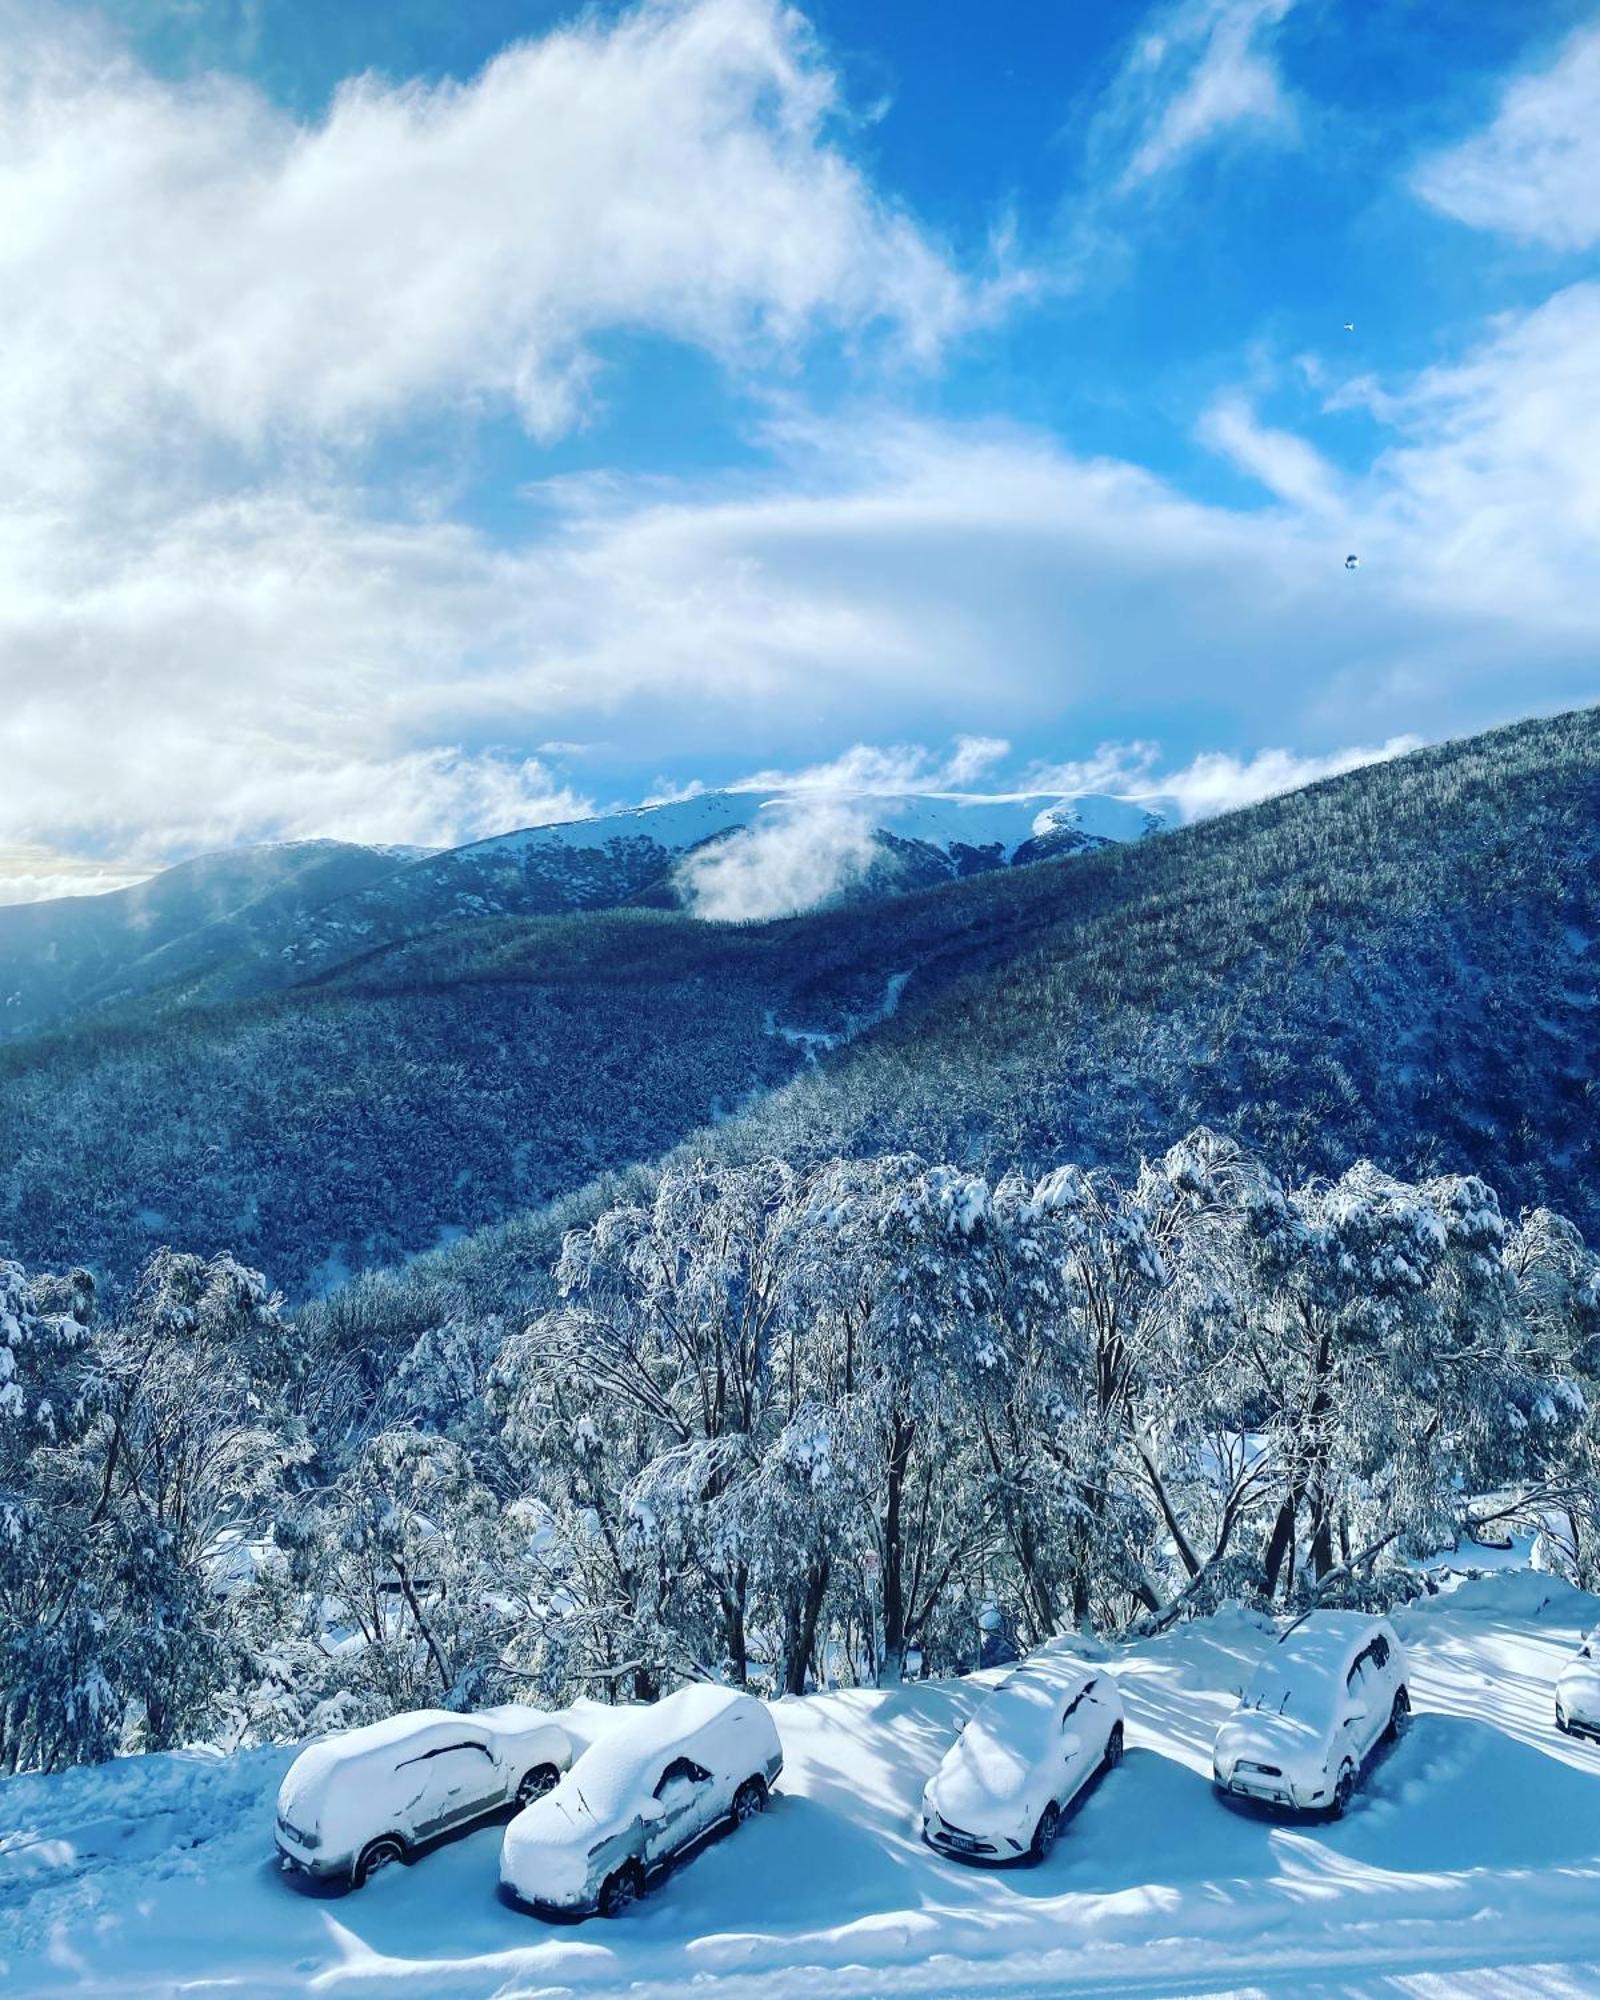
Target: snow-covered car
{"x": 645, "y": 1795}
{"x": 1024, "y": 1756}
{"x": 353, "y": 1803}
{"x": 1578, "y": 1692}
{"x": 1326, "y": 1694}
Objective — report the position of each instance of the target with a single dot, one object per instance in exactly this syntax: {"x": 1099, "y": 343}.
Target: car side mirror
{"x": 1357, "y": 1712}
{"x": 1071, "y": 1744}
{"x": 652, "y": 1810}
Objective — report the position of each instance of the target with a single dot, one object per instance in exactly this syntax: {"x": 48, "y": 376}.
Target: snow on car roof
{"x": 1027, "y": 1705}
{"x": 318, "y": 1761}
{"x": 1314, "y": 1649}
{"x": 614, "y": 1766}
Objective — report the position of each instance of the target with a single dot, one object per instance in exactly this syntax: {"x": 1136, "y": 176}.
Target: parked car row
{"x": 1327, "y": 1693}
{"x": 593, "y": 1829}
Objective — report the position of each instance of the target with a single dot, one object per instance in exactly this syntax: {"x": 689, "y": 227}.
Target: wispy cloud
{"x": 1215, "y": 781}
{"x": 1196, "y": 71}
{"x": 1534, "y": 171}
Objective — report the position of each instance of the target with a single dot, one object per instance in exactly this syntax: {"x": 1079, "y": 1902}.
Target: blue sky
{"x": 421, "y": 420}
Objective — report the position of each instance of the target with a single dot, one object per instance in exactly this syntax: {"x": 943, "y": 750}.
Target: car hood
{"x": 545, "y": 1851}
{"x": 1579, "y": 1688}
{"x": 1265, "y": 1736}
{"x": 981, "y": 1792}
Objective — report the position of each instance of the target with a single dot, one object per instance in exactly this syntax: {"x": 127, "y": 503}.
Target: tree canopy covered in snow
{"x": 777, "y": 1424}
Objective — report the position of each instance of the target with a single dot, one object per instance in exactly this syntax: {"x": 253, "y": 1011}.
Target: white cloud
{"x": 884, "y": 769}
{"x": 1534, "y": 171}
{"x": 213, "y": 310}
{"x": 191, "y": 263}
{"x": 30, "y": 874}
{"x": 796, "y": 855}
{"x": 1285, "y": 464}
{"x": 1199, "y": 69}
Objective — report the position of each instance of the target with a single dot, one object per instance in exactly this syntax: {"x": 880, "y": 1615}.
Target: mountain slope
{"x": 232, "y": 925}
{"x": 222, "y": 917}
{"x": 1403, "y": 962}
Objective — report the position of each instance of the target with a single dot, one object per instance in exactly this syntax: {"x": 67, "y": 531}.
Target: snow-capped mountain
{"x": 861, "y": 844}
{"x": 267, "y": 917}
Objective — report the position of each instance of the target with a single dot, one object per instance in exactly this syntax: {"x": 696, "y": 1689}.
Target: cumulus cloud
{"x": 1534, "y": 171}
{"x": 798, "y": 853}
{"x": 192, "y": 262}
{"x": 1197, "y": 70}
{"x": 215, "y": 310}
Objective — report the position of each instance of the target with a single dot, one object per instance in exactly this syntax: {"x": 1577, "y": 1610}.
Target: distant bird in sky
{"x": 1352, "y": 562}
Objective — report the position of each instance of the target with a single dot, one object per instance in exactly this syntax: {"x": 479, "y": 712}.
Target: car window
{"x": 1071, "y": 1708}
{"x": 681, "y": 1771}
{"x": 1380, "y": 1651}
{"x": 1355, "y": 1680}
{"x": 441, "y": 1750}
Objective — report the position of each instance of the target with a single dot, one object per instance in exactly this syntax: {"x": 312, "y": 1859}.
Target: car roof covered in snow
{"x": 623, "y": 1761}
{"x": 374, "y": 1743}
{"x": 1314, "y": 1649}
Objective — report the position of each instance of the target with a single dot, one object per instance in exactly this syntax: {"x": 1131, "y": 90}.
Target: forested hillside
{"x": 1402, "y": 963}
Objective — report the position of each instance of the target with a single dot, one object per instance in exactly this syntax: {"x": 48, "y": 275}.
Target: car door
{"x": 1078, "y": 1753}
{"x": 1361, "y": 1694}
{"x": 682, "y": 1801}
{"x": 461, "y": 1782}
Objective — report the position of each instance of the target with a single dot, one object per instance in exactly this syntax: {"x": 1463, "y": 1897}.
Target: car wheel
{"x": 621, "y": 1889}
{"x": 750, "y": 1799}
{"x": 535, "y": 1783}
{"x": 1044, "y": 1834}
{"x": 375, "y": 1855}
{"x": 1344, "y": 1790}
{"x": 1399, "y": 1716}
{"x": 1114, "y": 1747}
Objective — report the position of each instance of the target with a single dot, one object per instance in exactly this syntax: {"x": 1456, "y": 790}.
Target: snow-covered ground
{"x": 1469, "y": 1865}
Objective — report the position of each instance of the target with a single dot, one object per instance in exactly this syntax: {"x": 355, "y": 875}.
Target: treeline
{"x": 776, "y": 1423}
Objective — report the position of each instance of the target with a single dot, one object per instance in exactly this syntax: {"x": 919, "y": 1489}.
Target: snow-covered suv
{"x": 1022, "y": 1759}
{"x": 650, "y": 1791}
{"x": 1578, "y": 1692}
{"x": 1325, "y": 1695}
{"x": 353, "y": 1803}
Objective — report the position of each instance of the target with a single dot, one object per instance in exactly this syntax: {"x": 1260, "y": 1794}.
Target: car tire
{"x": 375, "y": 1856}
{"x": 1344, "y": 1788}
{"x": 1561, "y": 1721}
{"x": 535, "y": 1783}
{"x": 1114, "y": 1746}
{"x": 1399, "y": 1716}
{"x": 619, "y": 1890}
{"x": 750, "y": 1799}
{"x": 1044, "y": 1834}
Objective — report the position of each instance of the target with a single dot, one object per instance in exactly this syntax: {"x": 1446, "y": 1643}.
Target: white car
{"x": 1578, "y": 1693}
{"x": 353, "y": 1803}
{"x": 652, "y": 1789}
{"x": 1024, "y": 1756}
{"x": 1326, "y": 1694}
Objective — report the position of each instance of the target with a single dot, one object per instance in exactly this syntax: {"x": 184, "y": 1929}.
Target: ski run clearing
{"x": 1469, "y": 1864}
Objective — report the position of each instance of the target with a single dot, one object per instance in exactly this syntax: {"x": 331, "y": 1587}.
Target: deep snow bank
{"x": 1473, "y": 1854}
